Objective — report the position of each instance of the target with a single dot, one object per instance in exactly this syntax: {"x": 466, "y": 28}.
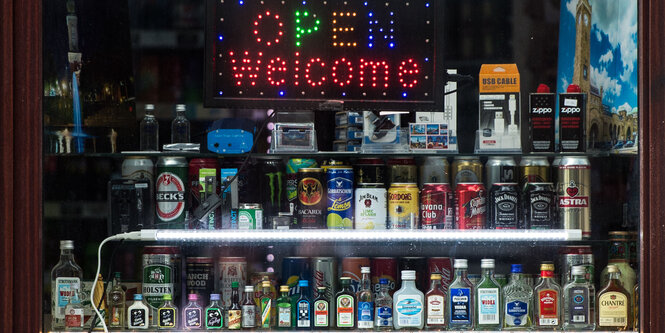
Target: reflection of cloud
{"x": 572, "y": 6}
{"x": 625, "y": 107}
{"x": 618, "y": 20}
{"x": 607, "y": 57}
{"x": 564, "y": 83}
{"x": 602, "y": 80}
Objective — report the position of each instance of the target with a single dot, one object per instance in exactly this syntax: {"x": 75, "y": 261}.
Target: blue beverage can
{"x": 295, "y": 269}
{"x": 340, "y": 198}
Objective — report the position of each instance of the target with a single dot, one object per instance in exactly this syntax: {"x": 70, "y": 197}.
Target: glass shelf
{"x": 347, "y": 331}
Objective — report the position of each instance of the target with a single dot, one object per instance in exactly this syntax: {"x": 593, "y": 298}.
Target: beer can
{"x": 339, "y": 186}
{"x": 292, "y": 167}
{"x": 384, "y": 268}
{"x": 324, "y": 274}
{"x": 466, "y": 169}
{"x": 574, "y": 191}
{"x": 231, "y": 269}
{"x": 403, "y": 206}
{"x": 470, "y": 206}
{"x": 539, "y": 202}
{"x": 370, "y": 171}
{"x": 554, "y": 170}
{"x": 351, "y": 269}
{"x": 418, "y": 264}
{"x": 402, "y": 170}
{"x": 504, "y": 207}
{"x": 534, "y": 169}
{"x": 371, "y": 206}
{"x": 500, "y": 169}
{"x": 141, "y": 167}
{"x": 161, "y": 273}
{"x": 250, "y": 216}
{"x": 443, "y": 266}
{"x": 332, "y": 163}
{"x": 312, "y": 200}
{"x": 295, "y": 269}
{"x": 434, "y": 170}
{"x": 578, "y": 255}
{"x": 437, "y": 206}
{"x": 171, "y": 192}
{"x": 272, "y": 185}
{"x": 200, "y": 273}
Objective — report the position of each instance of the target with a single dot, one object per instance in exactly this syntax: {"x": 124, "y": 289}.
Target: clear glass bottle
{"x": 117, "y": 304}
{"x": 234, "y": 314}
{"x": 383, "y": 305}
{"x": 488, "y": 299}
{"x": 167, "y": 314}
{"x": 303, "y": 308}
{"x": 192, "y": 314}
{"x": 138, "y": 314}
{"x": 180, "y": 128}
{"x": 460, "y": 298}
{"x": 517, "y": 302}
{"x": 614, "y": 310}
{"x": 344, "y": 306}
{"x": 321, "y": 310}
{"x": 149, "y": 130}
{"x": 214, "y": 314}
{"x": 579, "y": 302}
{"x": 284, "y": 313}
{"x": 65, "y": 284}
{"x": 547, "y": 300}
{"x": 74, "y": 319}
{"x": 365, "y": 301}
{"x": 248, "y": 308}
{"x": 409, "y": 304}
{"x": 435, "y": 304}
{"x": 267, "y": 317}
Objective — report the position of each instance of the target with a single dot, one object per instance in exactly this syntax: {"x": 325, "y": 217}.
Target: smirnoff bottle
{"x": 65, "y": 284}
{"x": 548, "y": 300}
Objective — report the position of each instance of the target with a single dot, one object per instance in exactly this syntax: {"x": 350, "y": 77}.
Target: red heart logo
{"x": 572, "y": 191}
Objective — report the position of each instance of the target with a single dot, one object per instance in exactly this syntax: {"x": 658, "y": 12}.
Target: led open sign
{"x": 368, "y": 53}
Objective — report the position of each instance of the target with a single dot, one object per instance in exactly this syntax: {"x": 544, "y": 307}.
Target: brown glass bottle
{"x": 435, "y": 301}
{"x": 614, "y": 309}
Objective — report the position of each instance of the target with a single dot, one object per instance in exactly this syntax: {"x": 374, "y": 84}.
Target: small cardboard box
{"x": 499, "y": 108}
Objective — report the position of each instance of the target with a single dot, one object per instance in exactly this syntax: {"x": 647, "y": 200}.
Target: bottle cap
{"x": 321, "y": 288}
{"x": 249, "y": 289}
{"x": 215, "y": 297}
{"x": 149, "y": 106}
{"x": 612, "y": 269}
{"x": 547, "y": 266}
{"x": 167, "y": 297}
{"x": 383, "y": 281}
{"x": 180, "y": 107}
{"x": 284, "y": 288}
{"x": 516, "y": 268}
{"x": 435, "y": 276}
{"x": 303, "y": 283}
{"x": 192, "y": 297}
{"x": 543, "y": 88}
{"x": 66, "y": 245}
{"x": 578, "y": 270}
{"x": 486, "y": 263}
{"x": 364, "y": 270}
{"x": 117, "y": 275}
{"x": 265, "y": 284}
{"x": 409, "y": 275}
{"x": 573, "y": 88}
{"x": 138, "y": 297}
{"x": 345, "y": 281}
{"x": 234, "y": 284}
{"x": 461, "y": 263}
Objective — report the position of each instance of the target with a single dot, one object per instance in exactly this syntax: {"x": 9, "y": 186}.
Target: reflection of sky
{"x": 613, "y": 50}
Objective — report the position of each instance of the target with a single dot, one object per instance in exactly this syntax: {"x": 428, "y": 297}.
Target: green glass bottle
{"x": 488, "y": 299}
{"x": 284, "y": 313}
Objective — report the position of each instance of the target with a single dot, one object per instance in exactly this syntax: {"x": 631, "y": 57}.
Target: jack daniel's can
{"x": 574, "y": 191}
{"x": 504, "y": 207}
{"x": 539, "y": 202}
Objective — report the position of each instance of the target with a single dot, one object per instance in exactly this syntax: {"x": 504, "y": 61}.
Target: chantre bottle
{"x": 517, "y": 302}
{"x": 548, "y": 300}
{"x": 65, "y": 284}
{"x": 149, "y": 130}
{"x": 180, "y": 128}
{"x": 408, "y": 304}
{"x": 116, "y": 304}
{"x": 488, "y": 299}
{"x": 460, "y": 298}
{"x": 344, "y": 306}
{"x": 284, "y": 320}
{"x": 234, "y": 314}
{"x": 214, "y": 315}
{"x": 138, "y": 314}
{"x": 579, "y": 302}
{"x": 249, "y": 308}
{"x": 365, "y": 301}
{"x": 321, "y": 310}
{"x": 614, "y": 310}
{"x": 167, "y": 314}
{"x": 435, "y": 304}
{"x": 303, "y": 308}
{"x": 383, "y": 314}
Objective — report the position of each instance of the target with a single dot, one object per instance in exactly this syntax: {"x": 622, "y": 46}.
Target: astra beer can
{"x": 574, "y": 191}
{"x": 340, "y": 197}
{"x": 403, "y": 206}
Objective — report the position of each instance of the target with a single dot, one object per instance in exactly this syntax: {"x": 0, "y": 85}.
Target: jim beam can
{"x": 170, "y": 191}
{"x": 403, "y": 206}
{"x": 540, "y": 206}
{"x": 534, "y": 169}
{"x": 437, "y": 206}
{"x": 311, "y": 208}
{"x": 466, "y": 169}
{"x": 500, "y": 169}
{"x": 504, "y": 207}
{"x": 434, "y": 170}
{"x": 324, "y": 274}
{"x": 470, "y": 206}
{"x": 574, "y": 191}
{"x": 371, "y": 208}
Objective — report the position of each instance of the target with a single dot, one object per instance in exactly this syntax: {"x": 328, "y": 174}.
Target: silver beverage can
{"x": 371, "y": 206}
{"x": 500, "y": 169}
{"x": 466, "y": 169}
{"x": 324, "y": 274}
{"x": 574, "y": 191}
{"x": 138, "y": 168}
{"x": 434, "y": 170}
{"x": 534, "y": 169}
{"x": 578, "y": 255}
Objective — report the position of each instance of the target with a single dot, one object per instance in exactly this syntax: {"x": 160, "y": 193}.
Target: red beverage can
{"x": 443, "y": 266}
{"x": 384, "y": 268}
{"x": 437, "y": 206}
{"x": 470, "y": 206}
{"x": 351, "y": 269}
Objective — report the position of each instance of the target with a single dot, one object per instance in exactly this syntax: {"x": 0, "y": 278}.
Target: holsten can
{"x": 437, "y": 206}
{"x": 311, "y": 198}
{"x": 500, "y": 169}
{"x": 340, "y": 197}
{"x": 470, "y": 206}
{"x": 504, "y": 207}
{"x": 324, "y": 274}
{"x": 574, "y": 193}
{"x": 384, "y": 268}
{"x": 161, "y": 273}
{"x": 250, "y": 216}
{"x": 403, "y": 206}
{"x": 371, "y": 206}
{"x": 170, "y": 192}
{"x": 539, "y": 202}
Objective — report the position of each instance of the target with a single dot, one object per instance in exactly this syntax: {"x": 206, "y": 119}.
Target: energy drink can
{"x": 311, "y": 207}
{"x": 470, "y": 206}
{"x": 574, "y": 191}
{"x": 371, "y": 206}
{"x": 403, "y": 206}
{"x": 339, "y": 182}
{"x": 292, "y": 167}
{"x": 272, "y": 185}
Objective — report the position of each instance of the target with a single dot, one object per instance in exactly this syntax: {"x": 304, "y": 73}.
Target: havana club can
{"x": 384, "y": 268}
{"x": 534, "y": 169}
{"x": 324, "y": 274}
{"x": 371, "y": 206}
{"x": 466, "y": 169}
{"x": 504, "y": 207}
{"x": 470, "y": 206}
{"x": 310, "y": 212}
{"x": 437, "y": 206}
{"x": 403, "y": 206}
{"x": 574, "y": 191}
{"x": 171, "y": 192}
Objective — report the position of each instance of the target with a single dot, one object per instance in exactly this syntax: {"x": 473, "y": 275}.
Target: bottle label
{"x": 193, "y": 318}
{"x": 166, "y": 317}
{"x": 138, "y": 318}
{"x": 578, "y": 303}
{"x": 214, "y": 318}
{"x": 114, "y": 316}
{"x": 235, "y": 317}
{"x": 284, "y": 315}
{"x": 460, "y": 306}
{"x": 345, "y": 311}
{"x": 303, "y": 319}
{"x": 74, "y": 317}
{"x": 66, "y": 288}
{"x": 435, "y": 310}
{"x": 266, "y": 308}
{"x": 365, "y": 314}
{"x": 548, "y": 301}
{"x": 321, "y": 314}
{"x": 248, "y": 316}
{"x": 409, "y": 311}
{"x": 384, "y": 316}
{"x": 517, "y": 313}
{"x": 488, "y": 306}
{"x": 157, "y": 281}
{"x": 612, "y": 309}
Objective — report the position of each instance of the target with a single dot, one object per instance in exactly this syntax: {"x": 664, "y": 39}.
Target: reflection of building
{"x": 602, "y": 126}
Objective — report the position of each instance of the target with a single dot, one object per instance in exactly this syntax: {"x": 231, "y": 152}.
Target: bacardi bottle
{"x": 149, "y": 130}
{"x": 365, "y": 299}
{"x": 614, "y": 310}
{"x": 65, "y": 284}
{"x": 116, "y": 304}
{"x": 460, "y": 298}
{"x": 214, "y": 314}
{"x": 138, "y": 314}
{"x": 488, "y": 297}
{"x": 180, "y": 132}
{"x": 548, "y": 300}
{"x": 578, "y": 302}
{"x": 517, "y": 302}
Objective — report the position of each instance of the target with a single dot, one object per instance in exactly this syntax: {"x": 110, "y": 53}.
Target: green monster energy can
{"x": 250, "y": 216}
{"x": 292, "y": 167}
{"x": 161, "y": 273}
{"x": 272, "y": 186}
{"x": 171, "y": 191}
